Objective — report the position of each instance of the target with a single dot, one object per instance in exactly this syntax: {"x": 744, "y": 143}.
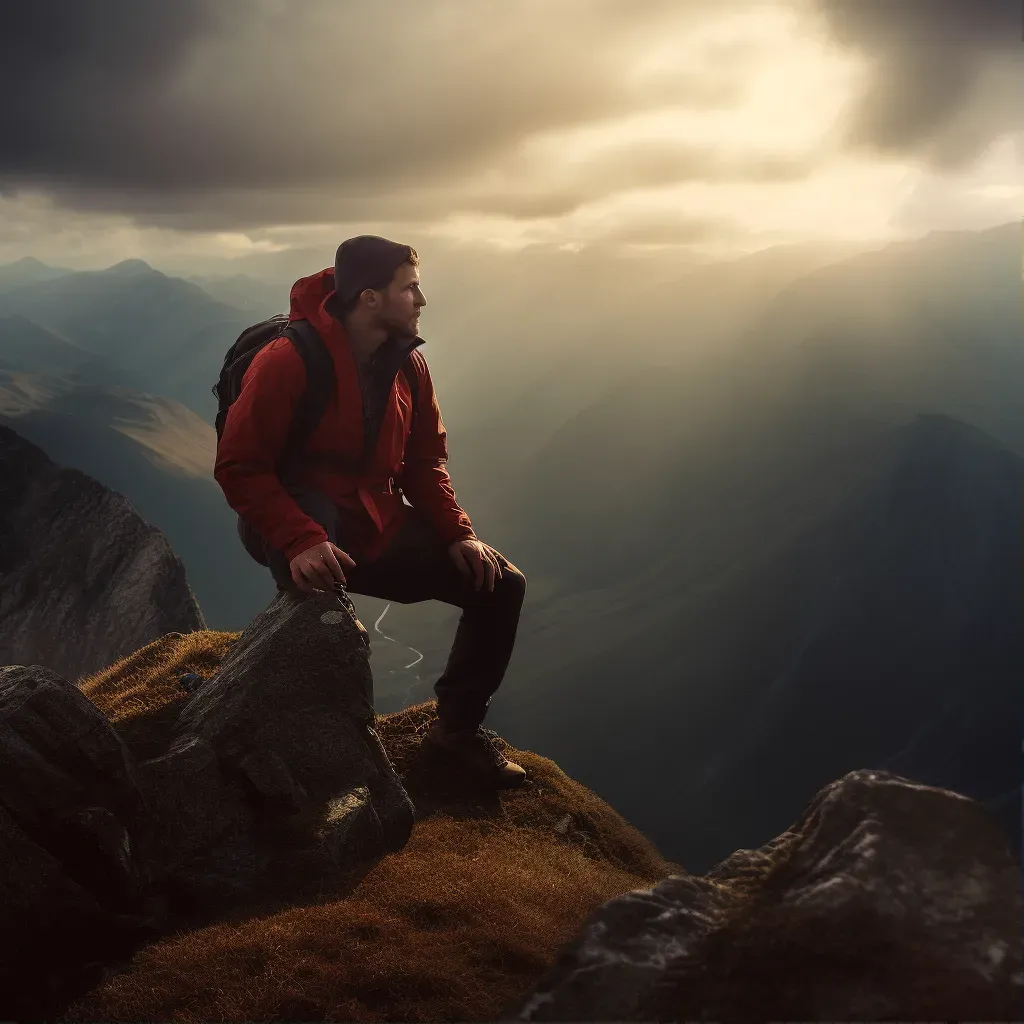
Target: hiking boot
{"x": 475, "y": 748}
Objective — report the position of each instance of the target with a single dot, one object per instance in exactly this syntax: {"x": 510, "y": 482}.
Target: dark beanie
{"x": 367, "y": 261}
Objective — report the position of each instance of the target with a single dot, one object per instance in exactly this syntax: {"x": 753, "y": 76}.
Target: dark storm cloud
{"x": 231, "y": 113}
{"x": 929, "y": 94}
{"x": 82, "y": 78}
{"x": 516, "y": 195}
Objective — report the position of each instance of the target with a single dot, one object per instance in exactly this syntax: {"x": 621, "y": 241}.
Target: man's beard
{"x": 400, "y": 331}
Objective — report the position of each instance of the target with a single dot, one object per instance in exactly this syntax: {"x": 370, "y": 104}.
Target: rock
{"x": 278, "y": 743}
{"x": 290, "y": 713}
{"x": 84, "y": 580}
{"x": 75, "y": 836}
{"x": 68, "y": 782}
{"x": 271, "y": 785}
{"x": 55, "y": 935}
{"x": 199, "y": 812}
{"x": 887, "y": 900}
{"x": 101, "y": 852}
{"x": 351, "y": 827}
{"x": 190, "y": 681}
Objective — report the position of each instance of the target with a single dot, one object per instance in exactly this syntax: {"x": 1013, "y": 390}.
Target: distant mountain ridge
{"x": 165, "y": 336}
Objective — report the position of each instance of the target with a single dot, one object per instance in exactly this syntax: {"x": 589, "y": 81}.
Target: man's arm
{"x": 425, "y": 478}
{"x": 252, "y": 442}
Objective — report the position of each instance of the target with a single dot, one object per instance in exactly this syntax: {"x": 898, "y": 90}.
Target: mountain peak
{"x": 26, "y": 272}
{"x": 132, "y": 266}
{"x": 30, "y": 262}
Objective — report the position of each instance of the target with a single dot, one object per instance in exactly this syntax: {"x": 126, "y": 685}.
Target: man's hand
{"x": 477, "y": 561}
{"x": 317, "y": 568}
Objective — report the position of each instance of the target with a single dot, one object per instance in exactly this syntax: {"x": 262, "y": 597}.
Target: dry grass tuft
{"x": 140, "y": 693}
{"x": 461, "y": 922}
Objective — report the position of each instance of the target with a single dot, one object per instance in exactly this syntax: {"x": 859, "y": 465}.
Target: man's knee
{"x": 512, "y": 582}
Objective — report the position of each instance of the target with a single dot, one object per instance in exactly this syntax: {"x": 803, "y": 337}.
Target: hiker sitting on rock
{"x": 325, "y": 421}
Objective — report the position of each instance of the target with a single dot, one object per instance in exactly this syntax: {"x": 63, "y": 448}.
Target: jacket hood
{"x": 309, "y": 295}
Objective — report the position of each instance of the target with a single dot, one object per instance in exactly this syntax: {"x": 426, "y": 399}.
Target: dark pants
{"x": 415, "y": 567}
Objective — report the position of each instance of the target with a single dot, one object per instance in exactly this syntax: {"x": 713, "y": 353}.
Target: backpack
{"x": 320, "y": 389}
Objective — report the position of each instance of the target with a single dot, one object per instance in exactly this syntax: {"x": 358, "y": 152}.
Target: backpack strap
{"x": 321, "y": 386}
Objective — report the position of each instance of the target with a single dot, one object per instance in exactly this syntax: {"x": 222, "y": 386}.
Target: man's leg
{"x": 415, "y": 567}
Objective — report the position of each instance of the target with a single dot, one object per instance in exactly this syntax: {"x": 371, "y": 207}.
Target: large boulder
{"x": 887, "y": 900}
{"x": 68, "y": 781}
{"x": 74, "y": 840}
{"x": 282, "y": 733}
{"x": 84, "y": 580}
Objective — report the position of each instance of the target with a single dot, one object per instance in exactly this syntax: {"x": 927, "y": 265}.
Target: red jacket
{"x": 258, "y": 421}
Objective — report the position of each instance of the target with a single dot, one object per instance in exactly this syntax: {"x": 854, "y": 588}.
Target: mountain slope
{"x": 883, "y": 568}
{"x": 83, "y": 579}
{"x": 26, "y": 347}
{"x": 160, "y": 456}
{"x": 911, "y": 662}
{"x": 165, "y": 335}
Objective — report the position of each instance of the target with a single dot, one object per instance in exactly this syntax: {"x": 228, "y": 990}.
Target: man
{"x": 334, "y": 521}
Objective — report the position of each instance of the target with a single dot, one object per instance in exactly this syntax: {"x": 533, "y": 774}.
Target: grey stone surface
{"x": 291, "y": 710}
{"x": 197, "y": 808}
{"x": 887, "y": 900}
{"x": 84, "y": 580}
{"x": 68, "y": 781}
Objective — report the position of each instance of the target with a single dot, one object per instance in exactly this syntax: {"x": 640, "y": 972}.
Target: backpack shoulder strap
{"x": 321, "y": 385}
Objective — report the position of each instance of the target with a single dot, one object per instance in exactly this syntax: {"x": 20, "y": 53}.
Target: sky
{"x": 195, "y": 132}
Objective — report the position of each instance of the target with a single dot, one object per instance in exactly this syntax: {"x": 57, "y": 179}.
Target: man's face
{"x": 399, "y": 311}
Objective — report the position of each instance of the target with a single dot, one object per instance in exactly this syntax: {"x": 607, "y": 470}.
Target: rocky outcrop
{"x": 282, "y": 732}
{"x": 887, "y": 900}
{"x": 84, "y": 580}
{"x": 276, "y": 750}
